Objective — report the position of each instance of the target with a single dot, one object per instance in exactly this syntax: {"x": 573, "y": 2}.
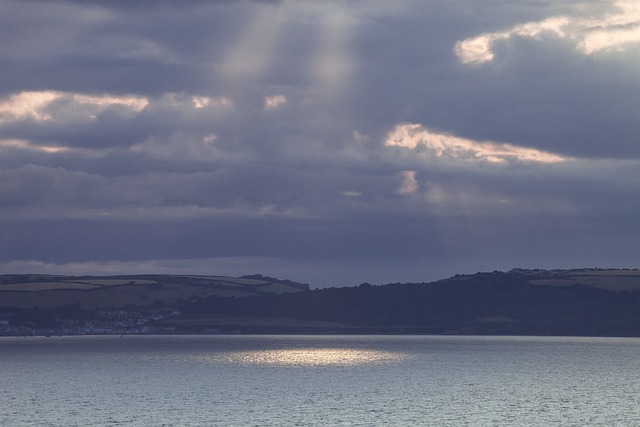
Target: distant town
{"x": 109, "y": 322}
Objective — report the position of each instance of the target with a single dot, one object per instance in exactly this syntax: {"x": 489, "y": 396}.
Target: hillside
{"x": 98, "y": 292}
{"x": 610, "y": 279}
{"x": 518, "y": 302}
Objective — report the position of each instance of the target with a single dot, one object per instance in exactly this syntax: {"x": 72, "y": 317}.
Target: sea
{"x": 223, "y": 380}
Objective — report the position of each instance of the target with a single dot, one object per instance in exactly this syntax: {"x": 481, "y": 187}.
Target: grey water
{"x": 318, "y": 380}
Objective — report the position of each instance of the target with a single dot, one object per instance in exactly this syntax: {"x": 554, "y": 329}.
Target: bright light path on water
{"x": 305, "y": 357}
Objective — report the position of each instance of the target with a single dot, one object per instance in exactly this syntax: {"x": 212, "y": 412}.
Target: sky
{"x": 328, "y": 142}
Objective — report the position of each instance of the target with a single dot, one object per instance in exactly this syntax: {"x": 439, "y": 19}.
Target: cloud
{"x": 27, "y": 104}
{"x": 58, "y": 121}
{"x": 338, "y": 141}
{"x": 614, "y": 31}
{"x": 479, "y": 49}
{"x": 21, "y": 144}
{"x": 209, "y": 102}
{"x": 351, "y": 193}
{"x": 409, "y": 183}
{"x": 47, "y": 106}
{"x": 274, "y": 101}
{"x": 414, "y": 136}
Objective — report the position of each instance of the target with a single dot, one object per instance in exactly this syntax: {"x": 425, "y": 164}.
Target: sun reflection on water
{"x": 306, "y": 357}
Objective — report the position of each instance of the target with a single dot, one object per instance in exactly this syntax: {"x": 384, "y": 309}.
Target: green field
{"x": 95, "y": 292}
{"x": 230, "y": 280}
{"x": 613, "y": 280}
{"x": 116, "y": 282}
{"x": 46, "y": 286}
{"x": 277, "y": 288}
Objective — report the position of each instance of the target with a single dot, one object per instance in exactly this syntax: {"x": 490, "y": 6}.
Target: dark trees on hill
{"x": 503, "y": 303}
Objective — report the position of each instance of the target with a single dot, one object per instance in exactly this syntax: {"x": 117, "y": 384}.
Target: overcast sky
{"x": 329, "y": 142}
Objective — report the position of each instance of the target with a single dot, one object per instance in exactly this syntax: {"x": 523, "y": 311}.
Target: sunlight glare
{"x": 309, "y": 357}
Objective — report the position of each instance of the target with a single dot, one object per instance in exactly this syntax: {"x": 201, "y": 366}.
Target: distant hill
{"x": 518, "y": 302}
{"x": 95, "y": 292}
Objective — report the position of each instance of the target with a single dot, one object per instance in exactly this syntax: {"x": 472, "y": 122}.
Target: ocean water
{"x": 319, "y": 380}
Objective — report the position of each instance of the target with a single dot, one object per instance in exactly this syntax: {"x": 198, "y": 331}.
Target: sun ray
{"x": 252, "y": 55}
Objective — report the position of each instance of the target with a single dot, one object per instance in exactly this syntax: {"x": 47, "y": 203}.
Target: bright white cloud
{"x": 22, "y": 144}
{"x": 409, "y": 183}
{"x": 479, "y": 49}
{"x": 27, "y": 105}
{"x": 135, "y": 103}
{"x": 48, "y": 105}
{"x": 412, "y": 136}
{"x": 274, "y": 101}
{"x": 615, "y": 31}
{"x": 36, "y": 105}
{"x": 200, "y": 102}
{"x": 210, "y": 138}
{"x": 612, "y": 31}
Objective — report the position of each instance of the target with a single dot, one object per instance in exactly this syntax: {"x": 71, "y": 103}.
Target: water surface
{"x": 318, "y": 380}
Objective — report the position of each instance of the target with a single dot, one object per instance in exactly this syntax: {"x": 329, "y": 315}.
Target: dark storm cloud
{"x": 545, "y": 98}
{"x": 95, "y": 47}
{"x": 538, "y": 93}
{"x": 348, "y": 141}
